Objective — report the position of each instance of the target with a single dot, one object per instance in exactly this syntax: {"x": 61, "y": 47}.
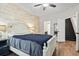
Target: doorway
{"x": 47, "y": 27}
{"x": 69, "y": 30}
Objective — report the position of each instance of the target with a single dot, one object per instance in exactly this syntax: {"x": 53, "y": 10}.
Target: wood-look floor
{"x": 66, "y": 49}
{"x": 63, "y": 49}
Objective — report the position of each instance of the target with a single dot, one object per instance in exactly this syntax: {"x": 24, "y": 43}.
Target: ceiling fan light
{"x": 45, "y": 5}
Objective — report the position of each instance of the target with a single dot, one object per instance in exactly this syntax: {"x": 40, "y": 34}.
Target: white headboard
{"x": 18, "y": 29}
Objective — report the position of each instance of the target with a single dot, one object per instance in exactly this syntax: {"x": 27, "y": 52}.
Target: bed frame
{"x": 47, "y": 51}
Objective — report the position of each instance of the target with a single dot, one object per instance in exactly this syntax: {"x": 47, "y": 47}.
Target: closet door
{"x": 47, "y": 27}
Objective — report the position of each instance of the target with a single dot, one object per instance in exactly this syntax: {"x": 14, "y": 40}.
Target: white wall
{"x": 61, "y": 30}
{"x": 74, "y": 22}
{"x": 77, "y": 31}
{"x": 52, "y": 20}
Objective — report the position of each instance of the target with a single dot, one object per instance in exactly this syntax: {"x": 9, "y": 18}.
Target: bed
{"x": 18, "y": 45}
{"x": 24, "y": 47}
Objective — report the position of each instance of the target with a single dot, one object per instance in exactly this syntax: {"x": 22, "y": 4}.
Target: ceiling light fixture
{"x": 45, "y": 5}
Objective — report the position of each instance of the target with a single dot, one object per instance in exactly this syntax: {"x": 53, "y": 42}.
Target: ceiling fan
{"x": 45, "y": 5}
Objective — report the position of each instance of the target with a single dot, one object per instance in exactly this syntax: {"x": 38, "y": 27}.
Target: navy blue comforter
{"x": 38, "y": 38}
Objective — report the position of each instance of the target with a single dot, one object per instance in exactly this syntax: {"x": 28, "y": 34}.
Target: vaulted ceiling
{"x": 20, "y": 10}
{"x": 60, "y": 7}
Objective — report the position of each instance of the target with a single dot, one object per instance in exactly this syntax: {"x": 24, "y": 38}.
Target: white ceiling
{"x": 49, "y": 12}
{"x": 60, "y": 7}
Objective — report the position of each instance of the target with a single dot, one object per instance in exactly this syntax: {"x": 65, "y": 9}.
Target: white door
{"x": 47, "y": 27}
{"x": 61, "y": 29}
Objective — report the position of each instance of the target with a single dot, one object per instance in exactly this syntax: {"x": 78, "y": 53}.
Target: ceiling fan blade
{"x": 52, "y": 5}
{"x": 37, "y": 5}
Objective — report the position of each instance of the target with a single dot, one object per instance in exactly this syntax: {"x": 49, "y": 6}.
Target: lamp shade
{"x": 3, "y": 28}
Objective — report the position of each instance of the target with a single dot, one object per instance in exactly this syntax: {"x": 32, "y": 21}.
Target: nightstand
{"x": 4, "y": 48}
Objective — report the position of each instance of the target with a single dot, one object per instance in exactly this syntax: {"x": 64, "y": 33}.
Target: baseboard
{"x": 60, "y": 41}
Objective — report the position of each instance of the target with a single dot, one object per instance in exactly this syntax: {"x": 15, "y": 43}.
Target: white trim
{"x": 18, "y": 52}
